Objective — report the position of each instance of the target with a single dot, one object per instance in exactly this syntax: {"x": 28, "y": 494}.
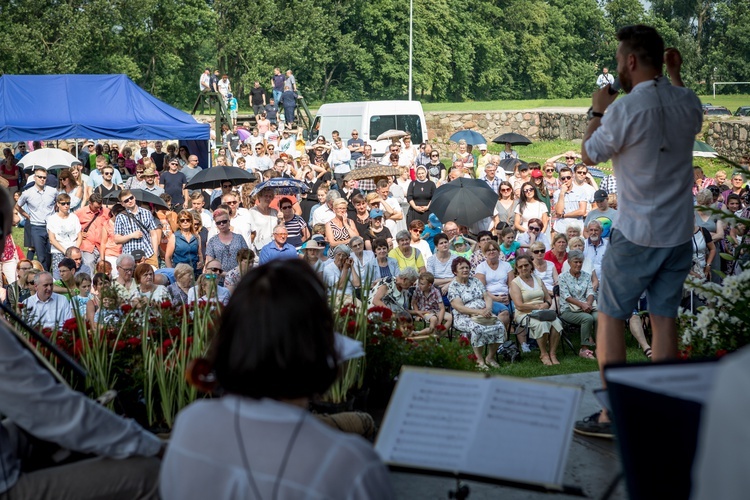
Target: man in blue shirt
{"x": 278, "y": 248}
{"x": 36, "y": 204}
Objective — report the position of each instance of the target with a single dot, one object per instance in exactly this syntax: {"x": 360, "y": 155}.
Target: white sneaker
{"x": 525, "y": 347}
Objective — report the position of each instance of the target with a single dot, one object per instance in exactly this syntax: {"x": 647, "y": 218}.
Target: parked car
{"x": 716, "y": 111}
{"x": 742, "y": 111}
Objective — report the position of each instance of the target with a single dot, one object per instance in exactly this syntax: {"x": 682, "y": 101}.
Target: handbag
{"x": 575, "y": 308}
{"x": 544, "y": 315}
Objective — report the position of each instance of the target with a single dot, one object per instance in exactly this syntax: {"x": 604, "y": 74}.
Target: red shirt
{"x": 552, "y": 258}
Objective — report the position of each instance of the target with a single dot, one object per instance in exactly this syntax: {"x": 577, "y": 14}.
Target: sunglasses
{"x": 216, "y": 270}
{"x": 40, "y": 177}
{"x": 110, "y": 173}
{"x": 221, "y": 222}
{"x": 30, "y": 283}
{"x": 63, "y": 203}
{"x": 186, "y": 220}
{"x": 528, "y": 190}
{"x": 550, "y": 170}
{"x": 570, "y": 157}
{"x": 582, "y": 172}
{"x": 537, "y": 251}
{"x": 128, "y": 199}
{"x": 567, "y": 177}
{"x": 434, "y": 156}
{"x": 535, "y": 229}
{"x": 288, "y": 207}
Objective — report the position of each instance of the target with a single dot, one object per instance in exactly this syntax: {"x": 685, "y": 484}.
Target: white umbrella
{"x": 392, "y": 134}
{"x": 47, "y": 158}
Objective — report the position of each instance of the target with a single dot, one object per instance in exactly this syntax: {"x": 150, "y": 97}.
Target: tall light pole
{"x": 411, "y": 40}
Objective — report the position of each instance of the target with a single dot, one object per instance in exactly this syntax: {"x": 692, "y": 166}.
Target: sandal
{"x": 647, "y": 352}
{"x": 586, "y": 353}
{"x": 493, "y": 363}
{"x": 482, "y": 367}
{"x": 545, "y": 360}
{"x": 554, "y": 360}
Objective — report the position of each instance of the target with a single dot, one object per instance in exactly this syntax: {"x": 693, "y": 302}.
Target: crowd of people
{"x": 364, "y": 239}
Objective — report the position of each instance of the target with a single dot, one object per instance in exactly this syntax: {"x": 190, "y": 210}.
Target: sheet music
{"x": 501, "y": 427}
{"x": 689, "y": 381}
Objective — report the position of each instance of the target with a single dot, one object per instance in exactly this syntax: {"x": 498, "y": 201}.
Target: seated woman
{"x": 393, "y": 292}
{"x": 382, "y": 266}
{"x": 439, "y": 265}
{"x": 207, "y": 288}
{"x": 144, "y": 276}
{"x": 245, "y": 260}
{"x": 311, "y": 253}
{"x": 496, "y": 275}
{"x": 534, "y": 235}
{"x": 577, "y": 301}
{"x": 529, "y": 294}
{"x": 477, "y": 257}
{"x": 470, "y": 300}
{"x": 558, "y": 253}
{"x": 183, "y": 282}
{"x": 405, "y": 254}
{"x": 578, "y": 243}
{"x": 267, "y": 375}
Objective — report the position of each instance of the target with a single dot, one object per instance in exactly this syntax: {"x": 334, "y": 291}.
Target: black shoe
{"x": 590, "y": 426}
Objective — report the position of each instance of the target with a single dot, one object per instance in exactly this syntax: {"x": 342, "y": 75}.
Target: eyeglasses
{"x": 570, "y": 157}
{"x": 416, "y": 231}
{"x": 30, "y": 283}
{"x": 129, "y": 199}
{"x": 186, "y": 220}
{"x": 126, "y": 269}
{"x": 41, "y": 177}
{"x": 535, "y": 229}
{"x": 216, "y": 270}
{"x": 139, "y": 171}
{"x": 582, "y": 172}
{"x": 25, "y": 268}
{"x": 550, "y": 170}
{"x": 567, "y": 177}
{"x": 528, "y": 190}
{"x": 235, "y": 202}
{"x": 505, "y": 190}
{"x": 221, "y": 222}
{"x": 288, "y": 207}
{"x": 226, "y": 186}
{"x": 537, "y": 251}
{"x": 355, "y": 133}
{"x": 109, "y": 173}
{"x": 434, "y": 156}
{"x": 63, "y": 203}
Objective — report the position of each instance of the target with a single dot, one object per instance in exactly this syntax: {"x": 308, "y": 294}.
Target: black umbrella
{"x": 513, "y": 138}
{"x": 509, "y": 164}
{"x": 141, "y": 196}
{"x": 464, "y": 201}
{"x": 214, "y": 177}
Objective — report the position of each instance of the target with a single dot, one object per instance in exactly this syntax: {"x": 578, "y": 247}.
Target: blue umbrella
{"x": 470, "y": 136}
{"x": 283, "y": 185}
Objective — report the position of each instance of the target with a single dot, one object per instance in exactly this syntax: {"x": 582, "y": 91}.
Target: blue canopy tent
{"x": 40, "y": 107}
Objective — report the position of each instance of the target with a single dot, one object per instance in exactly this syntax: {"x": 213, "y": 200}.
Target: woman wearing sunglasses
{"x": 184, "y": 245}
{"x": 530, "y": 207}
{"x": 224, "y": 245}
{"x": 64, "y": 230}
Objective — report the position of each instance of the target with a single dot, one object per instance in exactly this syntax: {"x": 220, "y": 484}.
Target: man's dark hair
{"x": 565, "y": 169}
{"x": 66, "y": 262}
{"x": 643, "y": 41}
{"x": 290, "y": 354}
{"x": 96, "y": 198}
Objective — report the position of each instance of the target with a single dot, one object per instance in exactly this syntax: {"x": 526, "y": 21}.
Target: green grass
{"x": 732, "y": 102}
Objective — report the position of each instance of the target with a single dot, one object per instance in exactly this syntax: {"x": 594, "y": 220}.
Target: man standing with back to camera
{"x": 649, "y": 136}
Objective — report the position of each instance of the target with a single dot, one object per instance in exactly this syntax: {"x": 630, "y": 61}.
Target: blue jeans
{"x": 277, "y": 96}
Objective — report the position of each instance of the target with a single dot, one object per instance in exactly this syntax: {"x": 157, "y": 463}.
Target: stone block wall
{"x": 729, "y": 136}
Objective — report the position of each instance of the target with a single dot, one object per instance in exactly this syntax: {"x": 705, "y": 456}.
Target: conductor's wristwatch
{"x": 593, "y": 114}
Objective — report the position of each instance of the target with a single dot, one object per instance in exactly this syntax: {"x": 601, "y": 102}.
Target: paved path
{"x": 592, "y": 463}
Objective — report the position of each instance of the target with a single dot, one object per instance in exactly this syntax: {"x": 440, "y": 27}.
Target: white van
{"x": 370, "y": 118}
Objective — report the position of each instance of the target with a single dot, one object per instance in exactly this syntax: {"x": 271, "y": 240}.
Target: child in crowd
{"x": 432, "y": 229}
{"x": 319, "y": 234}
{"x": 461, "y": 248}
{"x": 427, "y": 302}
{"x": 509, "y": 247}
{"x": 233, "y": 108}
{"x": 83, "y": 283}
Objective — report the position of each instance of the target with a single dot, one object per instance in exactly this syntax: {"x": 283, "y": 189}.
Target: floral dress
{"x": 472, "y": 295}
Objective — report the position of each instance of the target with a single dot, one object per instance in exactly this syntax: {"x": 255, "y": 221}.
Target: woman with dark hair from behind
{"x": 261, "y": 441}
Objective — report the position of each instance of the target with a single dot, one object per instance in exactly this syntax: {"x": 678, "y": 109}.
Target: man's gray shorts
{"x": 629, "y": 269}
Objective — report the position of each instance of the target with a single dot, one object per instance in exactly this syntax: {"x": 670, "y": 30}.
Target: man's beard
{"x": 625, "y": 81}
{"x": 594, "y": 238}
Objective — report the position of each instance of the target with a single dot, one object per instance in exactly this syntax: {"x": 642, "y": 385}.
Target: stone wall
{"x": 729, "y": 136}
{"x": 536, "y": 125}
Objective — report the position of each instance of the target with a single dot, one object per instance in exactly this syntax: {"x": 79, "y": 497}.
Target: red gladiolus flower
{"x": 463, "y": 341}
{"x": 189, "y": 341}
{"x": 166, "y": 304}
{"x": 398, "y": 333}
{"x": 47, "y": 332}
{"x": 21, "y": 305}
{"x": 120, "y": 345}
{"x": 126, "y": 308}
{"x": 174, "y": 331}
{"x": 721, "y": 353}
{"x": 385, "y": 313}
{"x": 78, "y": 347}
{"x": 440, "y": 328}
{"x": 134, "y": 341}
{"x": 374, "y": 340}
{"x": 167, "y": 344}
{"x": 351, "y": 326}
{"x": 70, "y": 324}
{"x": 472, "y": 357}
